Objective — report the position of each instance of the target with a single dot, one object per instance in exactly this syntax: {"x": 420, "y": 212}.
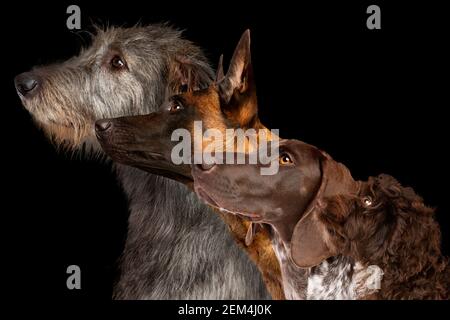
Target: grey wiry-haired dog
{"x": 176, "y": 247}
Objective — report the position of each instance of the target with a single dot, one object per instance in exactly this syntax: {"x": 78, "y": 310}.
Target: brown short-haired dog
{"x": 319, "y": 212}
{"x": 145, "y": 142}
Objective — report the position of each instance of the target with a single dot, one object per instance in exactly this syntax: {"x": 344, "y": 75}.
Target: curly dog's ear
{"x": 406, "y": 227}
{"x": 308, "y": 244}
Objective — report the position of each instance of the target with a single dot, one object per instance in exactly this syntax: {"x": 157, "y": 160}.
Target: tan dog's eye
{"x": 285, "y": 159}
{"x": 175, "y": 107}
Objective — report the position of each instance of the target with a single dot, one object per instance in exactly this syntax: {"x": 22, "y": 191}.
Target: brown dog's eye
{"x": 285, "y": 159}
{"x": 175, "y": 107}
{"x": 117, "y": 62}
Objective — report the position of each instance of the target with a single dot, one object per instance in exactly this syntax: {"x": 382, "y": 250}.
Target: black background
{"x": 375, "y": 100}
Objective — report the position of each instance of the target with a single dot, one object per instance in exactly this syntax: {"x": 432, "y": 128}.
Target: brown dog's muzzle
{"x": 137, "y": 141}
{"x": 102, "y": 127}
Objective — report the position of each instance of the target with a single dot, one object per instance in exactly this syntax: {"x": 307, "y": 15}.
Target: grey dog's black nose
{"x": 102, "y": 125}
{"x": 26, "y": 83}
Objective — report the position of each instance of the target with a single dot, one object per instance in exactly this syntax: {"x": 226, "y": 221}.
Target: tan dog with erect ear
{"x": 146, "y": 142}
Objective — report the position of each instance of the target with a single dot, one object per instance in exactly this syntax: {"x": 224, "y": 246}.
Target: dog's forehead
{"x": 207, "y": 98}
{"x": 299, "y": 148}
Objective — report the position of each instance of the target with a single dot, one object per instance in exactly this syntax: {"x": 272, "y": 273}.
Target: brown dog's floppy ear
{"x": 308, "y": 244}
{"x": 237, "y": 89}
{"x": 188, "y": 74}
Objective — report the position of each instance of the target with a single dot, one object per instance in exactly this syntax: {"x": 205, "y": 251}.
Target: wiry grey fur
{"x": 176, "y": 247}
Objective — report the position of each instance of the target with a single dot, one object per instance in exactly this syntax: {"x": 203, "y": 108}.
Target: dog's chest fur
{"x": 337, "y": 278}
{"x": 295, "y": 280}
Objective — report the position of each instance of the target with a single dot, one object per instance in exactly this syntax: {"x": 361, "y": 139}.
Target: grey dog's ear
{"x": 187, "y": 74}
{"x": 308, "y": 244}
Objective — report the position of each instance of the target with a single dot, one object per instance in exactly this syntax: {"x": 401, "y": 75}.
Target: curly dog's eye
{"x": 367, "y": 202}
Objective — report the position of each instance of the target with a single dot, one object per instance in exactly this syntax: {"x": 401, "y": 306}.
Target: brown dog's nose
{"x": 26, "y": 83}
{"x": 103, "y": 125}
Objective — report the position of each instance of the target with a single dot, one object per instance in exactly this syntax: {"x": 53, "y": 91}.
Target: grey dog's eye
{"x": 117, "y": 62}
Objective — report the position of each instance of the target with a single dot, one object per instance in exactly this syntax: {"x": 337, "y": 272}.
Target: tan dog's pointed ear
{"x": 236, "y": 78}
{"x": 237, "y": 89}
{"x": 308, "y": 244}
{"x": 219, "y": 73}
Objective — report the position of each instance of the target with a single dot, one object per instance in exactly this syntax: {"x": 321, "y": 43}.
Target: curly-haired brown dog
{"x": 389, "y": 226}
{"x": 358, "y": 240}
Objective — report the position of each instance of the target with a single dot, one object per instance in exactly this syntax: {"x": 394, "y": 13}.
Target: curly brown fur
{"x": 389, "y": 225}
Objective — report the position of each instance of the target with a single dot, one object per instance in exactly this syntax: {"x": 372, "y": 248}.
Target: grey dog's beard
{"x": 67, "y": 135}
